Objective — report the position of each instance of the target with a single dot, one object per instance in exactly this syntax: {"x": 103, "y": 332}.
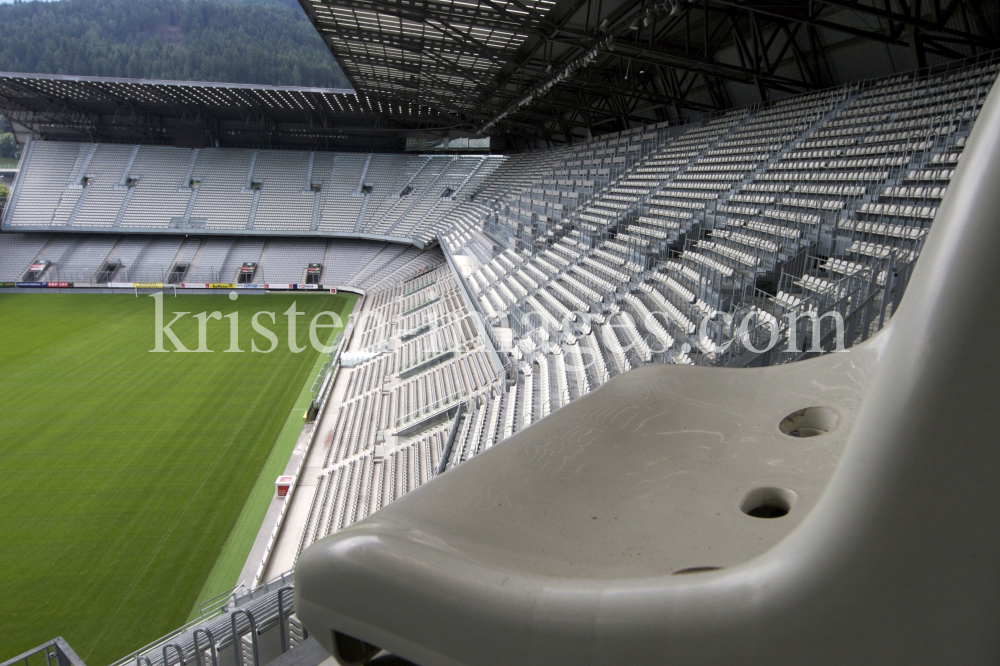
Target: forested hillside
{"x": 233, "y": 41}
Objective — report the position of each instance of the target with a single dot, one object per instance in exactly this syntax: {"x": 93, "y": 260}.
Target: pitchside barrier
{"x": 38, "y": 285}
{"x": 208, "y": 286}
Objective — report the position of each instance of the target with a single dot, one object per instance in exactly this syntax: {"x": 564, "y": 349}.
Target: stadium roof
{"x": 560, "y": 69}
{"x": 524, "y": 71}
{"x": 150, "y": 111}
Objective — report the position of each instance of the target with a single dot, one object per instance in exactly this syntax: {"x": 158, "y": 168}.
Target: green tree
{"x": 8, "y": 146}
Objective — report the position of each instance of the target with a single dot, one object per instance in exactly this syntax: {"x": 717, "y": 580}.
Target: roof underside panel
{"x": 108, "y": 109}
{"x": 443, "y": 53}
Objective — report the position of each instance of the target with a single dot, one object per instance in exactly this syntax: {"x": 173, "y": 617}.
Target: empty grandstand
{"x": 715, "y": 227}
{"x": 109, "y": 187}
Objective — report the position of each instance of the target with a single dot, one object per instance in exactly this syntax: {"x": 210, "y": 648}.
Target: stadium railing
{"x": 56, "y": 652}
{"x": 266, "y": 611}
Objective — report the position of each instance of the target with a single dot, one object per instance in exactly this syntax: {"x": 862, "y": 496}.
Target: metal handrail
{"x": 177, "y": 649}
{"x": 237, "y": 646}
{"x": 447, "y": 401}
{"x": 282, "y": 619}
{"x": 198, "y": 652}
{"x": 57, "y": 649}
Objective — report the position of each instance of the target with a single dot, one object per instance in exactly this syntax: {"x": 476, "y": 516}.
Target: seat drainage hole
{"x": 809, "y": 422}
{"x": 768, "y": 502}
{"x": 767, "y": 511}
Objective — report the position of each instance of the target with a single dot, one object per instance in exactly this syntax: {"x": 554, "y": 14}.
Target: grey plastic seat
{"x": 631, "y": 527}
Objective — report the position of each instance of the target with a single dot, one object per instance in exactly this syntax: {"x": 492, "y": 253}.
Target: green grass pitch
{"x": 130, "y": 479}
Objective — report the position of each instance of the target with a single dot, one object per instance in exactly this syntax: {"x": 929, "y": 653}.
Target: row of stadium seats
{"x": 386, "y": 429}
{"x": 89, "y": 186}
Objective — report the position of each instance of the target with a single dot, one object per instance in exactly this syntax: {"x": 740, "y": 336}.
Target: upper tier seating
{"x": 693, "y": 223}
{"x": 90, "y": 186}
